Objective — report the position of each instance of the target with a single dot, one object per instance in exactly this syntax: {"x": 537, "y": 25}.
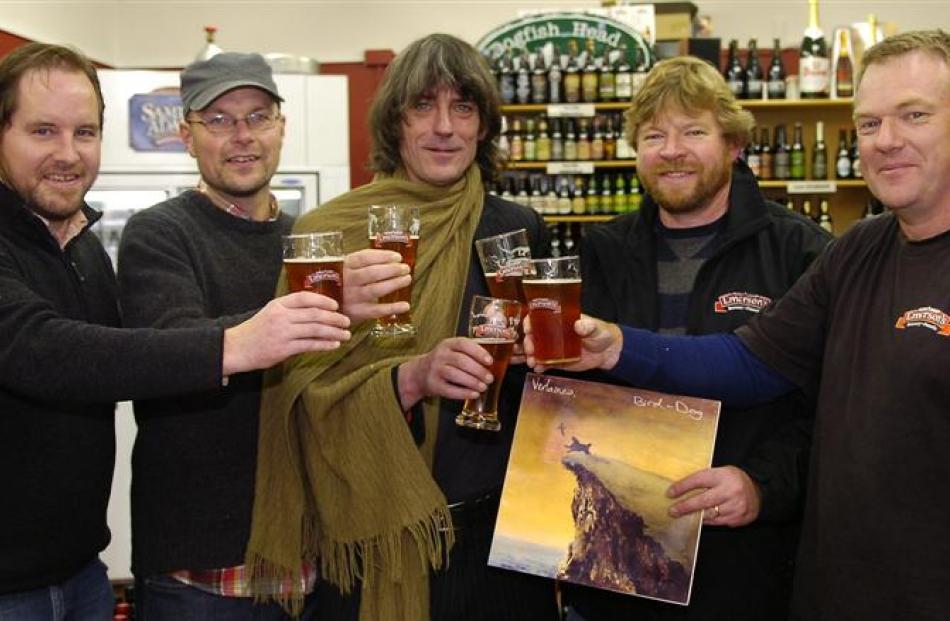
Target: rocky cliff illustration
{"x": 624, "y": 539}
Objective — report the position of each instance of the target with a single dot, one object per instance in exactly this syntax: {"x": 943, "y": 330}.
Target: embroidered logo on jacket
{"x": 739, "y": 300}
{"x": 925, "y": 317}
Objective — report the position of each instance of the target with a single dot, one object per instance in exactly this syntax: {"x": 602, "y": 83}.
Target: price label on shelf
{"x": 570, "y": 168}
{"x": 570, "y": 110}
{"x": 812, "y": 187}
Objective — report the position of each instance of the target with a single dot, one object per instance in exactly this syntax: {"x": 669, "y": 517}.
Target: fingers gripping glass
{"x": 259, "y": 121}
{"x": 395, "y": 227}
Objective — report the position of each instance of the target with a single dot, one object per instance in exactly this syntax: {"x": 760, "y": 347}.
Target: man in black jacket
{"x": 63, "y": 359}
{"x": 706, "y": 252}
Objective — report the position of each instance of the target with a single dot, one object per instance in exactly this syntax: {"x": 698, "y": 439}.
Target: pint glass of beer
{"x": 554, "y": 304}
{"x": 493, "y": 323}
{"x": 506, "y": 259}
{"x": 395, "y": 227}
{"x": 314, "y": 262}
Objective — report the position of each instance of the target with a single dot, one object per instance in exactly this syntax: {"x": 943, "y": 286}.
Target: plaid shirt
{"x": 233, "y": 581}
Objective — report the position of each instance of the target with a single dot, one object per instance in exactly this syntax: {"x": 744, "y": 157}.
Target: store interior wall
{"x": 168, "y": 33}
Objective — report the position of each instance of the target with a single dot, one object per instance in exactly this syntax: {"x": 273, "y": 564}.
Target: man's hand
{"x": 456, "y": 369}
{"x": 730, "y": 496}
{"x": 289, "y": 325}
{"x": 369, "y": 275}
{"x": 601, "y": 343}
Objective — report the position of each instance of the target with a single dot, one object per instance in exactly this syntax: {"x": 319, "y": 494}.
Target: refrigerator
{"x": 143, "y": 163}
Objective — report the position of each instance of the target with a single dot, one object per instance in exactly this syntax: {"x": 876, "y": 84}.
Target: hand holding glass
{"x": 314, "y": 262}
{"x": 493, "y": 323}
{"x": 554, "y": 304}
{"x": 506, "y": 259}
{"x": 395, "y": 227}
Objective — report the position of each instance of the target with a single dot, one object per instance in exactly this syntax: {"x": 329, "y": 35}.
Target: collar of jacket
{"x": 17, "y": 219}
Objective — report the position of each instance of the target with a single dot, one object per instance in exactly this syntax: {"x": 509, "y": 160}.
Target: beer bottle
{"x": 523, "y": 80}
{"x": 767, "y": 167}
{"x": 597, "y": 141}
{"x": 639, "y": 76}
{"x": 555, "y": 86}
{"x": 517, "y": 141}
{"x": 578, "y": 204}
{"x": 843, "y": 69}
{"x": 824, "y": 217}
{"x": 594, "y": 204}
{"x": 819, "y": 153}
{"x": 508, "y": 189}
{"x": 781, "y": 158}
{"x": 530, "y": 146}
{"x": 504, "y": 146}
{"x": 536, "y": 199}
{"x": 564, "y": 195}
{"x": 543, "y": 148}
{"x": 789, "y": 204}
{"x": 735, "y": 74}
{"x": 506, "y": 85}
{"x": 776, "y": 84}
{"x": 620, "y": 194}
{"x": 855, "y": 156}
{"x": 539, "y": 80}
{"x": 589, "y": 79}
{"x": 583, "y": 141}
{"x": 570, "y": 142}
{"x": 797, "y": 155}
{"x": 557, "y": 141}
{"x": 753, "y": 72}
{"x": 843, "y": 159}
{"x": 550, "y": 196}
{"x": 522, "y": 197}
{"x": 572, "y": 77}
{"x": 634, "y": 198}
{"x": 754, "y": 154}
{"x": 607, "y": 87}
{"x": 567, "y": 241}
{"x": 606, "y": 196}
{"x": 623, "y": 78}
{"x": 610, "y": 140}
{"x": 806, "y": 209}
{"x": 555, "y": 241}
{"x": 624, "y": 150}
{"x": 814, "y": 67}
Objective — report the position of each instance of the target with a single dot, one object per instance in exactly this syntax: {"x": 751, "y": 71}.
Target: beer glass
{"x": 506, "y": 259}
{"x": 395, "y": 227}
{"x": 314, "y": 262}
{"x": 554, "y": 304}
{"x": 493, "y": 323}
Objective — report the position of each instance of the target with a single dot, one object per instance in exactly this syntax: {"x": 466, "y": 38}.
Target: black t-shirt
{"x": 869, "y": 321}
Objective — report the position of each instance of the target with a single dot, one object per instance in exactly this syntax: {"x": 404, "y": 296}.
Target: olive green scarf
{"x": 339, "y": 477}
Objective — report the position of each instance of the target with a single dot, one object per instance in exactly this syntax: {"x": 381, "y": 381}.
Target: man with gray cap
{"x": 213, "y": 256}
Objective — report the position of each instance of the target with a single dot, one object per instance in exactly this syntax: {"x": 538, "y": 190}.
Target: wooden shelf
{"x": 605, "y": 106}
{"x": 536, "y": 165}
{"x": 795, "y": 103}
{"x": 841, "y": 183}
{"x": 582, "y": 219}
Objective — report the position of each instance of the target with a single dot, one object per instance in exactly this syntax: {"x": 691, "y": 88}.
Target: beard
{"x": 53, "y": 204}
{"x": 709, "y": 180}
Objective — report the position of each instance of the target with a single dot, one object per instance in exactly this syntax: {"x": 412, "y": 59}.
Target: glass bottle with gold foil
{"x": 814, "y": 66}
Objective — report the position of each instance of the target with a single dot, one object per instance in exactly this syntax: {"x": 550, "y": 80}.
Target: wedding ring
{"x": 716, "y": 509}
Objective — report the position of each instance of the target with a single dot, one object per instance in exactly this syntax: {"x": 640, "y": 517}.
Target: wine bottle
{"x": 754, "y": 154}
{"x": 843, "y": 159}
{"x": 776, "y": 82}
{"x": 753, "y": 72}
{"x": 843, "y": 69}
{"x": 814, "y": 67}
{"x": 767, "y": 167}
{"x": 797, "y": 155}
{"x": 780, "y": 156}
{"x": 819, "y": 153}
{"x": 735, "y": 74}
{"x": 855, "y": 156}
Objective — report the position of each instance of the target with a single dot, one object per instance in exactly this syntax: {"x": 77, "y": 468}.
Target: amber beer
{"x": 482, "y": 413}
{"x": 406, "y": 246}
{"x": 554, "y": 296}
{"x": 324, "y": 276}
{"x": 505, "y": 259}
{"x": 493, "y": 324}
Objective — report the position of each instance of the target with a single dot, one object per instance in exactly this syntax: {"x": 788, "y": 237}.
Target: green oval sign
{"x": 533, "y": 32}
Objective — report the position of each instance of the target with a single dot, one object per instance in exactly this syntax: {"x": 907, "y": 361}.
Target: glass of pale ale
{"x": 506, "y": 260}
{"x": 314, "y": 262}
{"x": 395, "y": 227}
{"x": 554, "y": 304}
{"x": 493, "y": 324}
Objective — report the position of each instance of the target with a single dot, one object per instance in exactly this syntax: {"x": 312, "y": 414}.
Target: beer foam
{"x": 551, "y": 281}
{"x": 320, "y": 260}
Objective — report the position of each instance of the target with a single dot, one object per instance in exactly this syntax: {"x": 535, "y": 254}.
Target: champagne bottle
{"x": 776, "y": 83}
{"x": 843, "y": 69}
{"x": 753, "y": 72}
{"x": 781, "y": 158}
{"x": 797, "y": 155}
{"x": 843, "y": 159}
{"x": 819, "y": 153}
{"x": 735, "y": 74}
{"x": 814, "y": 67}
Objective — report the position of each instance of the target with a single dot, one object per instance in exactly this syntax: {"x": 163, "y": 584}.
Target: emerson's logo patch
{"x": 741, "y": 301}
{"x": 925, "y": 317}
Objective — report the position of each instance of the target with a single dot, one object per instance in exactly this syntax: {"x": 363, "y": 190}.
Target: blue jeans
{"x": 162, "y": 598}
{"x": 84, "y": 596}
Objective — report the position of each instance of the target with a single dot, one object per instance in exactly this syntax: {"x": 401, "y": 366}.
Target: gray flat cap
{"x": 203, "y": 81}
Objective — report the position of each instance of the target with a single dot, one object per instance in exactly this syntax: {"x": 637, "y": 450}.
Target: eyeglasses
{"x": 225, "y": 124}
